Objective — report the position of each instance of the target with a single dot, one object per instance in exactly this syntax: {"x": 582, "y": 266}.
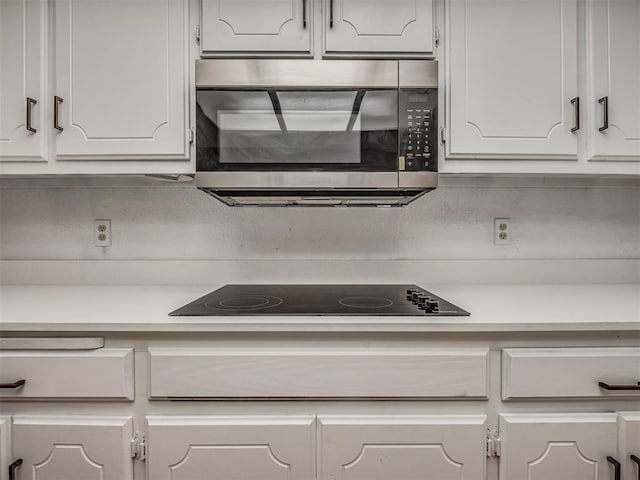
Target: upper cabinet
{"x": 23, "y": 99}
{"x": 512, "y": 77}
{"x": 120, "y": 78}
{"x": 378, "y": 27}
{"x": 362, "y": 28}
{"x": 257, "y": 27}
{"x": 613, "y": 28}
{"x": 117, "y": 98}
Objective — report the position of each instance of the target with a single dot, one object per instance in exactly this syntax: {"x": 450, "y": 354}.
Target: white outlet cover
{"x": 102, "y": 227}
{"x": 502, "y": 226}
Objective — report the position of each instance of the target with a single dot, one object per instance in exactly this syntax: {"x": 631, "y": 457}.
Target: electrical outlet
{"x": 502, "y": 231}
{"x": 102, "y": 233}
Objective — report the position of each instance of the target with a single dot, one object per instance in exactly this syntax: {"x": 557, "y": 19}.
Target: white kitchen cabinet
{"x": 231, "y": 448}
{"x": 613, "y": 28}
{"x": 120, "y": 75}
{"x": 73, "y": 448}
{"x": 557, "y": 446}
{"x": 378, "y": 27}
{"x": 5, "y": 446}
{"x": 23, "y": 80}
{"x": 629, "y": 444}
{"x": 257, "y": 27}
{"x": 511, "y": 75}
{"x": 401, "y": 447}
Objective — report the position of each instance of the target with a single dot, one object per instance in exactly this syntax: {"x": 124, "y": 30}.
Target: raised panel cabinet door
{"x": 614, "y": 79}
{"x": 557, "y": 446}
{"x": 23, "y": 80}
{"x": 396, "y": 27}
{"x": 257, "y": 27}
{"x": 511, "y": 78}
{"x": 5, "y": 447}
{"x": 120, "y": 79}
{"x": 629, "y": 444}
{"x": 231, "y": 448}
{"x": 402, "y": 447}
{"x": 73, "y": 448}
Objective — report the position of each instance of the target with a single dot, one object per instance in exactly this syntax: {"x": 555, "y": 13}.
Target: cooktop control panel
{"x": 418, "y": 125}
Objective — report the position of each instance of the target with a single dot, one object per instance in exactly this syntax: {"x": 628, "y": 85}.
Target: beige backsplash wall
{"x": 172, "y": 222}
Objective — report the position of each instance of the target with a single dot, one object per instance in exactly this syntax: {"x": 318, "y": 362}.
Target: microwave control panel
{"x": 418, "y": 127}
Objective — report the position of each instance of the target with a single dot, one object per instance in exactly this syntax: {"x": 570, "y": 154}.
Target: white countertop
{"x": 494, "y": 308}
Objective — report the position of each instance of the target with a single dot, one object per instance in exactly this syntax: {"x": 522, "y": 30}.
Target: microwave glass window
{"x": 294, "y": 127}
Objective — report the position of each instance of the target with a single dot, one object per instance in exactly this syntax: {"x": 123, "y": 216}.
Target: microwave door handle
{"x": 277, "y": 109}
{"x": 355, "y": 110}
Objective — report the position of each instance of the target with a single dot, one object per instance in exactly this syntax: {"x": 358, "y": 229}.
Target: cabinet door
{"x": 401, "y": 447}
{"x": 231, "y": 448}
{"x": 614, "y": 74}
{"x": 22, "y": 76}
{"x": 5, "y": 446}
{"x": 121, "y": 73}
{"x": 629, "y": 444}
{"x": 378, "y": 27}
{"x": 257, "y": 27}
{"x": 73, "y": 448}
{"x": 511, "y": 75}
{"x": 557, "y": 446}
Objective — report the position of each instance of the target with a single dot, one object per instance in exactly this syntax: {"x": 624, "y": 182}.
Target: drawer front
{"x": 569, "y": 372}
{"x": 313, "y": 373}
{"x": 104, "y": 373}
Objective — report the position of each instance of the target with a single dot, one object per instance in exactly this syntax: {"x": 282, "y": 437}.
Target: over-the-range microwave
{"x": 316, "y": 132}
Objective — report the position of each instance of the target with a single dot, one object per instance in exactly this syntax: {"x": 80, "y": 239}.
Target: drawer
{"x": 317, "y": 373}
{"x": 104, "y": 373}
{"x": 569, "y": 372}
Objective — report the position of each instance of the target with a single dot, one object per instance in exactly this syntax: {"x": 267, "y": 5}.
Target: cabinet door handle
{"x": 606, "y": 386}
{"x": 604, "y": 101}
{"x": 13, "y": 467}
{"x": 16, "y": 384}
{"x": 616, "y": 467}
{"x": 304, "y": 13}
{"x": 635, "y": 459}
{"x": 30, "y": 102}
{"x": 576, "y": 114}
{"x": 330, "y": 13}
{"x": 56, "y": 110}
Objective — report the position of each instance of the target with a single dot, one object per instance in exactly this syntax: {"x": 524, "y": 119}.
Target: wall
{"x": 454, "y": 222}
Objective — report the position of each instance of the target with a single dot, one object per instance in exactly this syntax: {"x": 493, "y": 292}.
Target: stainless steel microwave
{"x": 316, "y": 132}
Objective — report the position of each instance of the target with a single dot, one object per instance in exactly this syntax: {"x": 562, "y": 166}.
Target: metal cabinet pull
{"x": 576, "y": 114}
{"x": 56, "y": 110}
{"x": 30, "y": 102}
{"x": 606, "y": 386}
{"x": 330, "y": 13}
{"x": 16, "y": 384}
{"x": 604, "y": 101}
{"x": 635, "y": 459}
{"x": 304, "y": 13}
{"x": 13, "y": 467}
{"x": 616, "y": 467}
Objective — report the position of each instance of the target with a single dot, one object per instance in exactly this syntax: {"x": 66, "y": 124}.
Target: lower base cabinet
{"x": 558, "y": 446}
{"x": 402, "y": 447}
{"x": 231, "y": 448}
{"x": 71, "y": 448}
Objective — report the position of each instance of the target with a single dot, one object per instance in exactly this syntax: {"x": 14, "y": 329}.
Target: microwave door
{"x": 297, "y": 130}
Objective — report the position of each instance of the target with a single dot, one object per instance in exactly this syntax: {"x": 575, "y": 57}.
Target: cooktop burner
{"x": 320, "y": 300}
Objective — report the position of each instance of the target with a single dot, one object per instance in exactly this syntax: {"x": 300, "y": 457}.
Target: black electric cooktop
{"x": 319, "y": 300}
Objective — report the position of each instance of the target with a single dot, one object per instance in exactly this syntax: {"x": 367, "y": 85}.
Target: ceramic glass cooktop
{"x": 319, "y": 300}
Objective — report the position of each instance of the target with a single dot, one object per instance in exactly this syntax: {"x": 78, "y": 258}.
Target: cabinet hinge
{"x": 191, "y": 134}
{"x": 494, "y": 442}
{"x": 437, "y": 37}
{"x": 139, "y": 446}
{"x": 198, "y": 34}
{"x": 443, "y": 135}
